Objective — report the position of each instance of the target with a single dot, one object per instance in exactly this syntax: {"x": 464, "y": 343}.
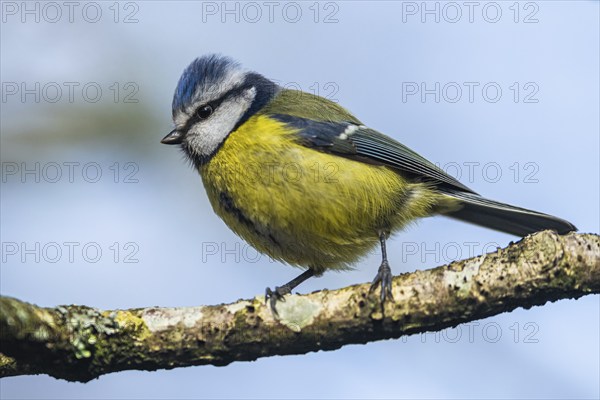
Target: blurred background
{"x": 95, "y": 211}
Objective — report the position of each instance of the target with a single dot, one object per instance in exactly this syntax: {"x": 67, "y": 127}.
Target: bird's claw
{"x": 383, "y": 277}
{"x": 272, "y": 296}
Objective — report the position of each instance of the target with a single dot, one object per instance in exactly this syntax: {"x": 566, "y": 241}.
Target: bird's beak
{"x": 173, "y": 137}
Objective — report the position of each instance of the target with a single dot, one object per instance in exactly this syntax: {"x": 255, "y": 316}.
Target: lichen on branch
{"x": 80, "y": 343}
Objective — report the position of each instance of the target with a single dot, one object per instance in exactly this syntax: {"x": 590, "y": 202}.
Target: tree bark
{"x": 80, "y": 343}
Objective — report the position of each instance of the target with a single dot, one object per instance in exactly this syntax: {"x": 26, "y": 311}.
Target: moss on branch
{"x": 80, "y": 343}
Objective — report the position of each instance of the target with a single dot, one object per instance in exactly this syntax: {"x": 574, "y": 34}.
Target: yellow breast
{"x": 303, "y": 206}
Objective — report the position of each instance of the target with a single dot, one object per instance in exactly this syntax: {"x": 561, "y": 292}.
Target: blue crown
{"x": 203, "y": 73}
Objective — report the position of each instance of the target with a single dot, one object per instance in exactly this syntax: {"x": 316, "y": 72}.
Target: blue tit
{"x": 304, "y": 181}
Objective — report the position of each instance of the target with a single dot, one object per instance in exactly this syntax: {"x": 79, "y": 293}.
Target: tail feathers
{"x": 504, "y": 217}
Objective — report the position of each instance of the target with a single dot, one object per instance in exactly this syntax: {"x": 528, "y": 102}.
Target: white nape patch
{"x": 205, "y": 136}
{"x": 349, "y": 131}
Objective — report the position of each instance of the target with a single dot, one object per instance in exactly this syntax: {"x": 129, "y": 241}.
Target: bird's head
{"x": 213, "y": 98}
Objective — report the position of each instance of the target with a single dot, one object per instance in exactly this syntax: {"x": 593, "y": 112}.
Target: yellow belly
{"x": 303, "y": 206}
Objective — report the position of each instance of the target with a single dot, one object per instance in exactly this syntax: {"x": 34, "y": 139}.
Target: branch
{"x": 79, "y": 343}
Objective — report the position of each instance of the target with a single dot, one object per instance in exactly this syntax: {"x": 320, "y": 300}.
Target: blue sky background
{"x": 539, "y": 151}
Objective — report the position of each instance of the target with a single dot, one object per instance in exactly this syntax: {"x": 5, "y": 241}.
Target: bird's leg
{"x": 280, "y": 291}
{"x": 384, "y": 274}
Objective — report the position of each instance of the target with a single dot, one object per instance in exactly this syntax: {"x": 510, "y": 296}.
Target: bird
{"x": 304, "y": 181}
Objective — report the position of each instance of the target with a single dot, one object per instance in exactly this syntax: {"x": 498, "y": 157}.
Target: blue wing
{"x": 348, "y": 139}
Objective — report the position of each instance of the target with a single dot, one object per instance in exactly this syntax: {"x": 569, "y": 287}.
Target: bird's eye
{"x": 204, "y": 112}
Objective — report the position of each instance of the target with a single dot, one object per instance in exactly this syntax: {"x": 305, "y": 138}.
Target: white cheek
{"x": 206, "y": 136}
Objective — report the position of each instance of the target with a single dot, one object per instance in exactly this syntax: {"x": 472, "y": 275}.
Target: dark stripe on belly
{"x": 227, "y": 203}
{"x": 230, "y": 207}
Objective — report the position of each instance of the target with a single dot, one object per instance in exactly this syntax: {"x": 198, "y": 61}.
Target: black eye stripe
{"x": 213, "y": 104}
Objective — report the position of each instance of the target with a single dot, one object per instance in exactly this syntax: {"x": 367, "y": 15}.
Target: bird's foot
{"x": 273, "y": 296}
{"x": 383, "y": 277}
